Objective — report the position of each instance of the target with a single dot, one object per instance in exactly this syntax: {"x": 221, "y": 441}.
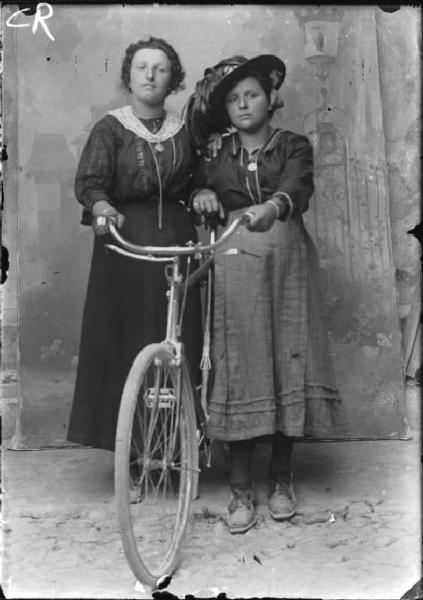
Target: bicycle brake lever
{"x": 240, "y": 251}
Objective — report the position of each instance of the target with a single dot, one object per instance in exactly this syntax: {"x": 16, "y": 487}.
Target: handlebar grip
{"x": 104, "y": 220}
{"x": 101, "y": 221}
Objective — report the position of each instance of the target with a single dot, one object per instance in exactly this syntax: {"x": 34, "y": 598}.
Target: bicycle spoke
{"x": 151, "y": 428}
{"x": 160, "y": 439}
{"x": 157, "y": 428}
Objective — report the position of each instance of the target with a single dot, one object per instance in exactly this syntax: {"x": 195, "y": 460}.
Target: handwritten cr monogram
{"x": 39, "y": 18}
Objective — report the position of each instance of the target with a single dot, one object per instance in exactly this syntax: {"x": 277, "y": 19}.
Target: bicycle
{"x": 161, "y": 420}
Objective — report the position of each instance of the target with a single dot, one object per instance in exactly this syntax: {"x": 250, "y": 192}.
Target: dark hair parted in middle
{"x": 177, "y": 72}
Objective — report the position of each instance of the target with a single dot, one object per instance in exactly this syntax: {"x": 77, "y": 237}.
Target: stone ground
{"x": 60, "y": 535}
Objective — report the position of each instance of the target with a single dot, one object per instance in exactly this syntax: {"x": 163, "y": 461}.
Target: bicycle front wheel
{"x": 155, "y": 462}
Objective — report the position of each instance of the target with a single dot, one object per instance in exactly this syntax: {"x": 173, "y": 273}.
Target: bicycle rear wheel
{"x": 155, "y": 436}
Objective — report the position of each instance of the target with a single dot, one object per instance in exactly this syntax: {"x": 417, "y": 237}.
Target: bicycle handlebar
{"x": 189, "y": 249}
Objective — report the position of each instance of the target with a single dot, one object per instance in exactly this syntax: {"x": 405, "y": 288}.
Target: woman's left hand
{"x": 214, "y": 144}
{"x": 262, "y": 217}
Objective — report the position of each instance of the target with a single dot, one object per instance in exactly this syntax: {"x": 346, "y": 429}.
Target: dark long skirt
{"x": 125, "y": 309}
{"x": 271, "y": 359}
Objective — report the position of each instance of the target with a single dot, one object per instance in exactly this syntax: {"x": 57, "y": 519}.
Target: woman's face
{"x": 150, "y": 75}
{"x": 247, "y": 105}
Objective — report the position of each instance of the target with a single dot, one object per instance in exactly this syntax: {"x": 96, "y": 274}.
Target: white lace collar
{"x": 171, "y": 124}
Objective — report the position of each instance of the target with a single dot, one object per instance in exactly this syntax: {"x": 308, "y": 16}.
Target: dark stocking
{"x": 281, "y": 453}
{"x": 240, "y": 457}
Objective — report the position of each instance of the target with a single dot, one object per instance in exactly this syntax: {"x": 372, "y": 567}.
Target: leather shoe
{"x": 242, "y": 513}
{"x": 282, "y": 502}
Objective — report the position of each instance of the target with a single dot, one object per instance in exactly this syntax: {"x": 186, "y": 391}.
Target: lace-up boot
{"x": 282, "y": 501}
{"x": 242, "y": 513}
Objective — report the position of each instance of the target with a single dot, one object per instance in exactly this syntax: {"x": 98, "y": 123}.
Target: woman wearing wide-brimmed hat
{"x": 272, "y": 369}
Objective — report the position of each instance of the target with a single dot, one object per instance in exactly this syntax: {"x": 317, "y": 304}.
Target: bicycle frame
{"x": 161, "y": 401}
{"x": 173, "y": 255}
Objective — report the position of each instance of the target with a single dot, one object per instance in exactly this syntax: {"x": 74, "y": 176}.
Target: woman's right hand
{"x": 102, "y": 208}
{"x": 205, "y": 202}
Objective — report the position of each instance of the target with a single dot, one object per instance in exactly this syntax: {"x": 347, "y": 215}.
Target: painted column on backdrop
{"x": 350, "y": 216}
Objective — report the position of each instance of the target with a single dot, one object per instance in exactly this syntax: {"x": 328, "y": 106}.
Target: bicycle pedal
{"x": 166, "y": 398}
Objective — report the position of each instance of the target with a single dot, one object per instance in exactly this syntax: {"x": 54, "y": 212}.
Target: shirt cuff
{"x": 286, "y": 205}
{"x": 93, "y": 197}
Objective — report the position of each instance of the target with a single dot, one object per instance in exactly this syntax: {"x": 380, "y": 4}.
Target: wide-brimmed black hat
{"x": 205, "y": 112}
{"x": 233, "y": 69}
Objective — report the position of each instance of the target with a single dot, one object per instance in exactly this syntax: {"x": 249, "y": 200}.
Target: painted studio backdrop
{"x": 348, "y": 87}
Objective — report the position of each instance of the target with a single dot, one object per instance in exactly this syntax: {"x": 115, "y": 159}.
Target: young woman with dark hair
{"x": 272, "y": 368}
{"x": 136, "y": 167}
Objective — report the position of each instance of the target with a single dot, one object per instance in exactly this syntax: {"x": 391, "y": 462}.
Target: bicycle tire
{"x": 136, "y": 526}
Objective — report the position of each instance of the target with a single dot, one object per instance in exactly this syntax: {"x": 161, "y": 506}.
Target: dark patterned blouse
{"x": 126, "y": 160}
{"x": 283, "y": 164}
